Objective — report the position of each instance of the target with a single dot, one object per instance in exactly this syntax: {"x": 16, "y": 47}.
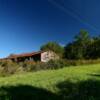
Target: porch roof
{"x": 24, "y": 54}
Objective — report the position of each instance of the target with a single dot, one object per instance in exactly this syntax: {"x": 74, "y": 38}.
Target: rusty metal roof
{"x": 24, "y": 54}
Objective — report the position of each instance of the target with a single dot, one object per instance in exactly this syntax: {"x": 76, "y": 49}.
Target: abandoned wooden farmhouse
{"x": 42, "y": 56}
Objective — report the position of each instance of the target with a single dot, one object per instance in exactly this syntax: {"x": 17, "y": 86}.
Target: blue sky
{"x": 27, "y": 24}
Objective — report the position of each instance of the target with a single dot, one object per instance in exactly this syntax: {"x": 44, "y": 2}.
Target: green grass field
{"x": 71, "y": 83}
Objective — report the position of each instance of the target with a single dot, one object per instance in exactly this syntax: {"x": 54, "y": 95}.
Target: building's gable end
{"x": 48, "y": 55}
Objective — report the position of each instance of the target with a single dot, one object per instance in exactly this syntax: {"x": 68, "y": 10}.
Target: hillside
{"x": 72, "y": 83}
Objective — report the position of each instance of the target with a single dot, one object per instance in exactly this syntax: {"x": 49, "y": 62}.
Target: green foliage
{"x": 82, "y": 38}
{"x": 77, "y": 49}
{"x": 53, "y": 46}
{"x": 83, "y": 47}
{"x": 93, "y": 50}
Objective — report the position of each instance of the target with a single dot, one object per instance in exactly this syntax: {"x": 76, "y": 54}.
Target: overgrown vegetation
{"x": 8, "y": 68}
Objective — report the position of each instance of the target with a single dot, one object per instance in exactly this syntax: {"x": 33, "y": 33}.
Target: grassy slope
{"x": 68, "y": 83}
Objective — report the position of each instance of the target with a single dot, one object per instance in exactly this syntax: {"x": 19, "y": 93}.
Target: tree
{"x": 93, "y": 50}
{"x": 82, "y": 40}
{"x": 53, "y": 46}
{"x": 77, "y": 49}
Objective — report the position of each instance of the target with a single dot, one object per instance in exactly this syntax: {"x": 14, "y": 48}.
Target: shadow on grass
{"x": 85, "y": 90}
{"x": 25, "y": 92}
{"x": 95, "y": 75}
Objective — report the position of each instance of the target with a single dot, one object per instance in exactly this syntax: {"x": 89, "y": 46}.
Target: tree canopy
{"x": 83, "y": 47}
{"x": 53, "y": 46}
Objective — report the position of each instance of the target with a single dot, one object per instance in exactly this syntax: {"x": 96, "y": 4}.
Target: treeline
{"x": 83, "y": 46}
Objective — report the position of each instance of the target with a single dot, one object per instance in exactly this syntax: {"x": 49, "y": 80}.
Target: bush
{"x": 56, "y": 64}
{"x": 52, "y": 64}
{"x": 8, "y": 68}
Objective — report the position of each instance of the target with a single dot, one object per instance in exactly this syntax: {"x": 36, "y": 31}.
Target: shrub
{"x": 8, "y": 68}
{"x": 56, "y": 64}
